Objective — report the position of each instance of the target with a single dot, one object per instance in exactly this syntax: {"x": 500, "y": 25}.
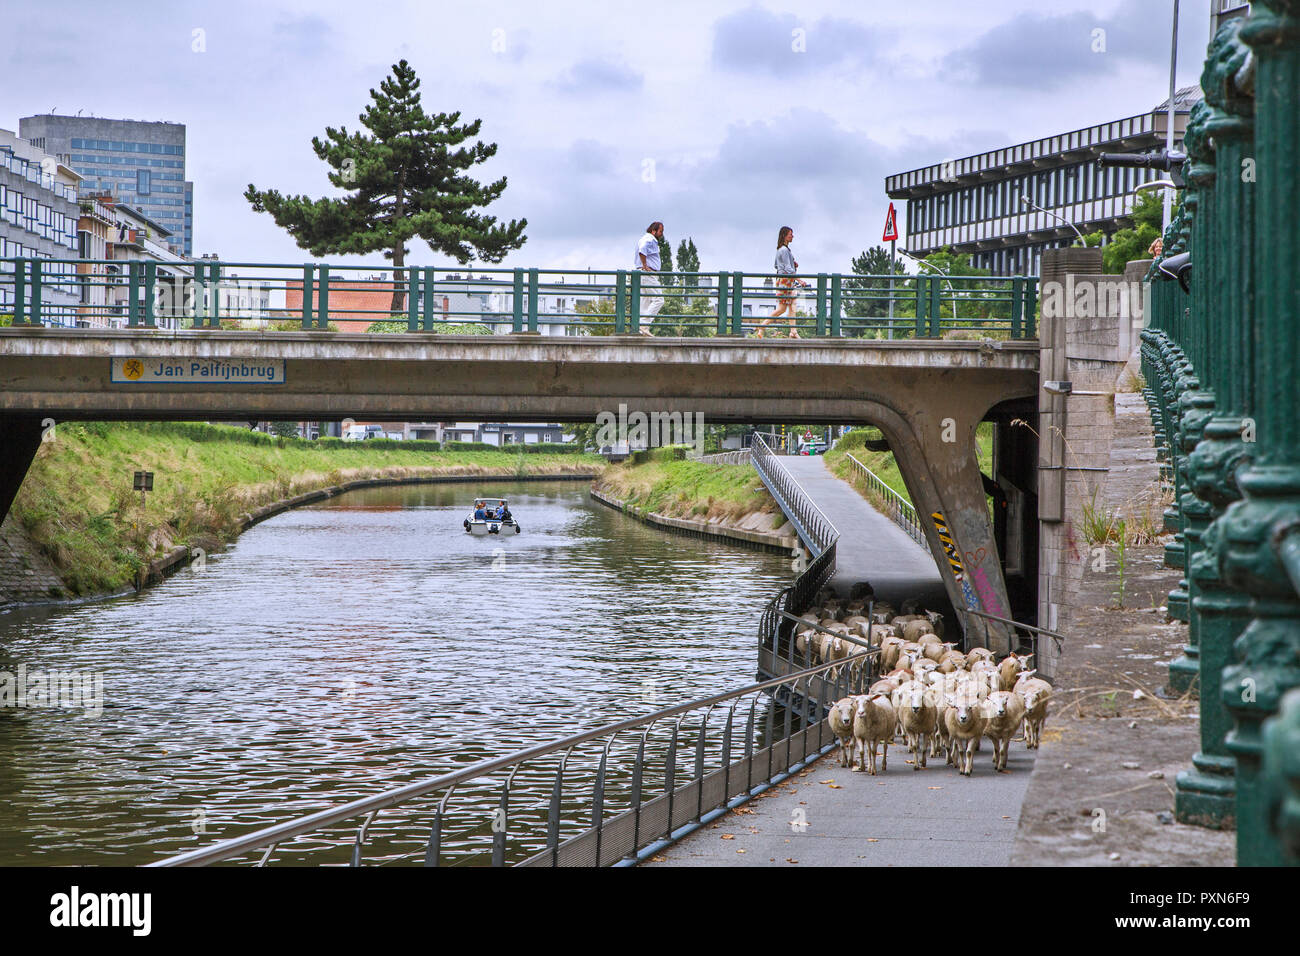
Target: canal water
{"x": 349, "y": 647}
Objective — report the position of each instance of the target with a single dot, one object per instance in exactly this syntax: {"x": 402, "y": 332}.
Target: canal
{"x": 349, "y": 647}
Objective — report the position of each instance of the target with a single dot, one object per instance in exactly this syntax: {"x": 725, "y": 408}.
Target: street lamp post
{"x": 1033, "y": 205}
{"x": 923, "y": 262}
{"x": 1169, "y": 121}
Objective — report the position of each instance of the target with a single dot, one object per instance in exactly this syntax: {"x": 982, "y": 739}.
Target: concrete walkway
{"x": 902, "y": 817}
{"x": 871, "y": 547}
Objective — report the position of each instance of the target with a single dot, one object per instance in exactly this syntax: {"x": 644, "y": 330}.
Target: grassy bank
{"x": 78, "y": 506}
{"x": 883, "y": 463}
{"x": 690, "y": 489}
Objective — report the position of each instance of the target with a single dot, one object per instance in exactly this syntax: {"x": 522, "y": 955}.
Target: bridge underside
{"x": 926, "y": 396}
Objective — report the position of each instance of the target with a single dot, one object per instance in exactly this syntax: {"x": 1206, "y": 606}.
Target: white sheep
{"x": 838, "y": 650}
{"x": 936, "y": 650}
{"x": 987, "y": 671}
{"x": 1004, "y": 712}
{"x": 1011, "y": 668}
{"x": 886, "y": 685}
{"x": 882, "y": 631}
{"x": 1035, "y": 693}
{"x": 936, "y": 622}
{"x": 841, "y": 718}
{"x": 913, "y": 630}
{"x": 964, "y": 722}
{"x": 890, "y": 650}
{"x": 919, "y": 716}
{"x": 873, "y": 722}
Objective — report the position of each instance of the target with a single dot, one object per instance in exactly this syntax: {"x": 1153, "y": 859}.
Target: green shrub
{"x": 468, "y": 446}
{"x": 666, "y": 453}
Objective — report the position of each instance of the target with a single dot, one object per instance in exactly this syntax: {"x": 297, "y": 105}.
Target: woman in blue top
{"x": 786, "y": 268}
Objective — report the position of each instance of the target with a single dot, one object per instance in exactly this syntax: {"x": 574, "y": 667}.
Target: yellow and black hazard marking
{"x": 949, "y": 548}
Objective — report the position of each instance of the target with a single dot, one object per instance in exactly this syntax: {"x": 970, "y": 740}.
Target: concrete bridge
{"x": 926, "y": 396}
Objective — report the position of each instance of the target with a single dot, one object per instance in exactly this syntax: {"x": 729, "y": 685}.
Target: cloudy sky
{"x": 724, "y": 119}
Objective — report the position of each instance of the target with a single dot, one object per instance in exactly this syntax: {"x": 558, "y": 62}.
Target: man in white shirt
{"x": 647, "y": 260}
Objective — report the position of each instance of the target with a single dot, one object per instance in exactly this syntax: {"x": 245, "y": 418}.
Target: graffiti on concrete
{"x": 954, "y": 559}
{"x": 988, "y": 594}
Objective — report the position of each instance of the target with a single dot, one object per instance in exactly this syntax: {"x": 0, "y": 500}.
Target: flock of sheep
{"x": 930, "y": 693}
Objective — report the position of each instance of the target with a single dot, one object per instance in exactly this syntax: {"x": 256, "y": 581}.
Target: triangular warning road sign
{"x": 891, "y": 225}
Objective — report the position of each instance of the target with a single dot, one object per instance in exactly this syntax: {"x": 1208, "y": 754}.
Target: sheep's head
{"x": 1031, "y": 696}
{"x": 845, "y": 709}
{"x": 965, "y": 710}
{"x": 996, "y": 704}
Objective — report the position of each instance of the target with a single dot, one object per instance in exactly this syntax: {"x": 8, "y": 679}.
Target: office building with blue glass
{"x": 139, "y": 163}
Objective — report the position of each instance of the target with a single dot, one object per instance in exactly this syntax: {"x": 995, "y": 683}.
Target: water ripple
{"x": 353, "y": 646}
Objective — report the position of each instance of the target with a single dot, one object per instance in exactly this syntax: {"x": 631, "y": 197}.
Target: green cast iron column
{"x": 1184, "y": 389}
{"x": 1187, "y": 409}
{"x": 1281, "y": 775}
{"x": 1197, "y": 401}
{"x": 1267, "y": 655}
{"x": 1205, "y": 795}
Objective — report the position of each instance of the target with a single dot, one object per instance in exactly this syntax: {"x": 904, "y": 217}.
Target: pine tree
{"x": 666, "y": 263}
{"x": 864, "y": 297}
{"x": 406, "y": 179}
{"x": 688, "y": 260}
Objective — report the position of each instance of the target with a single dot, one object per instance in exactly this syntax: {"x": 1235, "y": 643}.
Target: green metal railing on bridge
{"x": 1221, "y": 362}
{"x": 209, "y": 294}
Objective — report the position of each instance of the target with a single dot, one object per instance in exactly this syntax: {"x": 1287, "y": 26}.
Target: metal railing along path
{"x": 775, "y": 631}
{"x": 744, "y": 761}
{"x": 738, "y": 457}
{"x": 210, "y": 294}
{"x": 814, "y": 528}
{"x": 1031, "y": 630}
{"x": 897, "y": 508}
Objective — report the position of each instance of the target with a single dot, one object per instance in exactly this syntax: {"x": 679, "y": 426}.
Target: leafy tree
{"x": 1132, "y": 243}
{"x": 603, "y": 306}
{"x": 406, "y": 179}
{"x": 973, "y": 300}
{"x": 399, "y": 325}
{"x": 285, "y": 429}
{"x": 693, "y": 311}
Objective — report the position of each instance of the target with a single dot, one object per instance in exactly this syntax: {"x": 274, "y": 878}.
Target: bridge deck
{"x": 871, "y": 547}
